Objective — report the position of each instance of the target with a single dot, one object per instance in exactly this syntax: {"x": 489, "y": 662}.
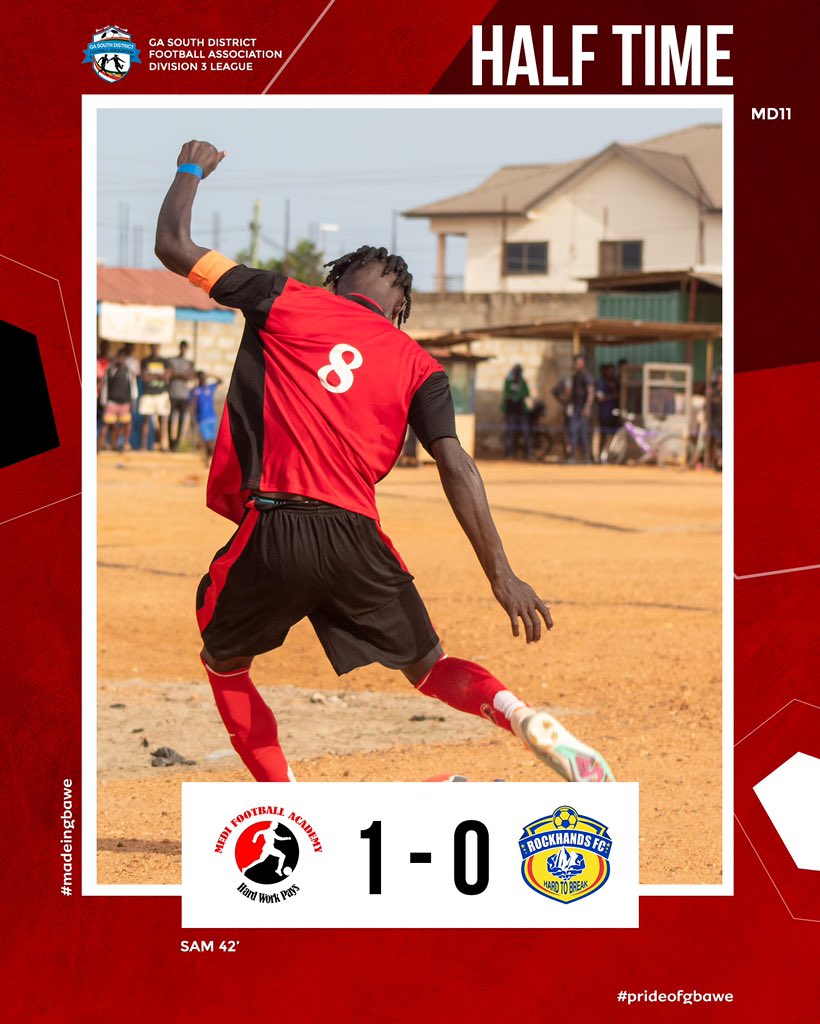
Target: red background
{"x": 95, "y": 959}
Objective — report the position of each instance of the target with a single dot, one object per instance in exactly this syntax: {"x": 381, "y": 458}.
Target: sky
{"x": 355, "y": 169}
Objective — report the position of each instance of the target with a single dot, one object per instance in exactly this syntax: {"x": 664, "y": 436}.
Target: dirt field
{"x": 629, "y": 558}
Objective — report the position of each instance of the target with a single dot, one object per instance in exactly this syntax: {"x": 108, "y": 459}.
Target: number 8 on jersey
{"x": 343, "y": 369}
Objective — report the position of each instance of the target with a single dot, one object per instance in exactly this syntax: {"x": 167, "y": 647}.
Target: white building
{"x": 654, "y": 206}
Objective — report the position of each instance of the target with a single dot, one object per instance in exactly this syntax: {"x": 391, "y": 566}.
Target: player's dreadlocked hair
{"x": 392, "y": 266}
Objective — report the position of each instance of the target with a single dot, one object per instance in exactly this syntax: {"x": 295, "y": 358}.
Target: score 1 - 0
{"x": 373, "y": 834}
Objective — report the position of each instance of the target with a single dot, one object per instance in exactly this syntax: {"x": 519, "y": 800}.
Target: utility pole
{"x": 123, "y": 233}
{"x": 503, "y": 276}
{"x": 441, "y": 264}
{"x": 255, "y": 227}
{"x": 215, "y": 231}
{"x": 136, "y": 251}
{"x": 286, "y": 255}
{"x": 700, "y": 250}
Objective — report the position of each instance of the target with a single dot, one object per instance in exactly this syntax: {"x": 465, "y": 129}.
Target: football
{"x": 565, "y": 817}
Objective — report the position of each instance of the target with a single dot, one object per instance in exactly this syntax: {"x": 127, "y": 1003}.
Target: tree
{"x": 304, "y": 262}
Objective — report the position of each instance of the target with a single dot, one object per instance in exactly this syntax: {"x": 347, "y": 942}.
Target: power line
{"x": 269, "y": 183}
{"x": 255, "y": 227}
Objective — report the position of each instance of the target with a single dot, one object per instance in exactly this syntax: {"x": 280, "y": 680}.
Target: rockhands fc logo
{"x": 112, "y": 53}
{"x": 268, "y": 844}
{"x": 566, "y": 856}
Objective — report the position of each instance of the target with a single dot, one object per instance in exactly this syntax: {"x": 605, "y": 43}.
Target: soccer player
{"x": 323, "y": 387}
{"x": 270, "y": 836}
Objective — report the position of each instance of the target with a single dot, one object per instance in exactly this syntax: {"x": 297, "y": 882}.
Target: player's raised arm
{"x": 464, "y": 489}
{"x": 174, "y": 246}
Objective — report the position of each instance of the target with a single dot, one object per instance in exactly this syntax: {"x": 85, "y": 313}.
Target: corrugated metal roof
{"x": 602, "y": 331}
{"x": 689, "y": 160}
{"x": 651, "y": 278}
{"x": 149, "y": 288}
{"x": 447, "y": 352}
{"x": 713, "y": 279}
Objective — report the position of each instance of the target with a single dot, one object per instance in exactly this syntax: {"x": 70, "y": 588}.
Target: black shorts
{"x": 321, "y": 562}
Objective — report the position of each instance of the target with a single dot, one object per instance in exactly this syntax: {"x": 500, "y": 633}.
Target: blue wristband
{"x": 191, "y": 169}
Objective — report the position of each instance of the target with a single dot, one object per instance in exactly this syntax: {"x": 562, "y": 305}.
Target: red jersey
{"x": 320, "y": 393}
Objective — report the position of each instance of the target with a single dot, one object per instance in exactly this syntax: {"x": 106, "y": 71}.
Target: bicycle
{"x": 648, "y": 446}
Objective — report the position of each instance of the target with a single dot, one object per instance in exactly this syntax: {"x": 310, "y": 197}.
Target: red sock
{"x": 251, "y": 725}
{"x": 468, "y": 687}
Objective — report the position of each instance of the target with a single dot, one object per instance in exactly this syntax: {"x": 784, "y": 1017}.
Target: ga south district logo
{"x": 268, "y": 844}
{"x": 112, "y": 53}
{"x": 566, "y": 855}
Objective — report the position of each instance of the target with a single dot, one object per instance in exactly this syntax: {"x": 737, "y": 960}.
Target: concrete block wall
{"x": 213, "y": 346}
{"x": 465, "y": 310}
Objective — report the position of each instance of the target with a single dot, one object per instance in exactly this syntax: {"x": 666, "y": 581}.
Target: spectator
{"x": 630, "y": 388}
{"x": 182, "y": 373}
{"x": 103, "y": 362}
{"x": 155, "y": 402}
{"x": 662, "y": 402}
{"x": 619, "y": 371}
{"x": 714, "y": 398}
{"x": 131, "y": 360}
{"x": 203, "y": 410}
{"x": 562, "y": 393}
{"x": 118, "y": 392}
{"x": 582, "y": 397}
{"x": 606, "y": 391}
{"x": 514, "y": 407}
{"x": 697, "y": 425}
{"x": 540, "y": 436}
{"x": 410, "y": 450}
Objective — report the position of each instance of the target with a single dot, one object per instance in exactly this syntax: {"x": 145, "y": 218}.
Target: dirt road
{"x": 629, "y": 558}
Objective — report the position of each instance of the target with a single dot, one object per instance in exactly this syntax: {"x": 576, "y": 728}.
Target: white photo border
{"x": 91, "y": 104}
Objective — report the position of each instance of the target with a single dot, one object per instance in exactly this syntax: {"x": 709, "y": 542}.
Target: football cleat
{"x": 557, "y": 747}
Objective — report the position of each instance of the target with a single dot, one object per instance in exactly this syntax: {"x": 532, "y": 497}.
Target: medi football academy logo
{"x": 268, "y": 844}
{"x": 112, "y": 53}
{"x": 566, "y": 856}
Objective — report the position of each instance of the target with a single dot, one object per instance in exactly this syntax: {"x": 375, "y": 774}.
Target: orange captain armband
{"x": 209, "y": 268}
